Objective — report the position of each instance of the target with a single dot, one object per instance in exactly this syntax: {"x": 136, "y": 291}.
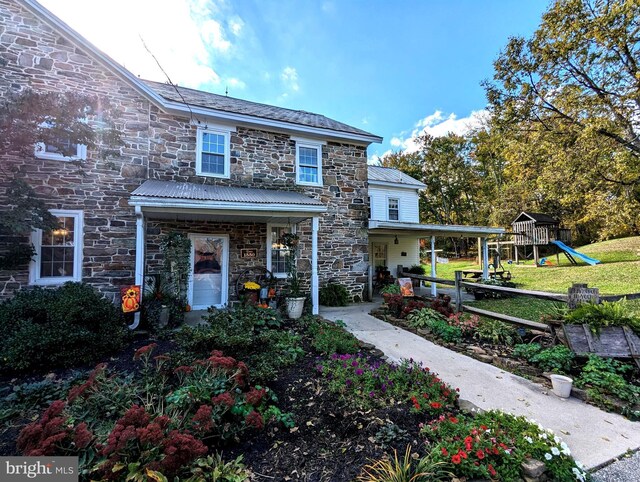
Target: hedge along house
{"x": 395, "y": 229}
{"x": 232, "y": 174}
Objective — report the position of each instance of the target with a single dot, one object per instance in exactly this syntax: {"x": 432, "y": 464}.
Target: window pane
{"x": 57, "y": 250}
{"x": 308, "y": 174}
{"x": 278, "y": 252}
{"x": 213, "y": 163}
{"x": 308, "y": 156}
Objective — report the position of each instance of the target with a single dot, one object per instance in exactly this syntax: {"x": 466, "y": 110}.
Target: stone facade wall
{"x": 33, "y": 55}
{"x": 158, "y": 145}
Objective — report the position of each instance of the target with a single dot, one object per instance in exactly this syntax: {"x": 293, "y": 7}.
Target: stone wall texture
{"x": 159, "y": 145}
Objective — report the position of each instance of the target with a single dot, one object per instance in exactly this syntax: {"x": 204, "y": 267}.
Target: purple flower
{"x": 372, "y": 394}
{"x": 359, "y": 371}
{"x": 348, "y": 382}
{"x": 354, "y": 363}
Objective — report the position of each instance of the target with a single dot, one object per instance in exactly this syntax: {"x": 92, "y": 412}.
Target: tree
{"x": 446, "y": 167}
{"x": 566, "y": 103}
{"x": 28, "y": 119}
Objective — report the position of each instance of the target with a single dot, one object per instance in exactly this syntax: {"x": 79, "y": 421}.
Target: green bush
{"x": 616, "y": 313}
{"x": 496, "y": 332}
{"x": 334, "y": 294}
{"x": 416, "y": 269}
{"x": 68, "y": 326}
{"x": 437, "y": 323}
{"x": 245, "y": 332}
{"x": 329, "y": 338}
{"x": 555, "y": 359}
{"x": 527, "y": 350}
{"x": 606, "y": 376}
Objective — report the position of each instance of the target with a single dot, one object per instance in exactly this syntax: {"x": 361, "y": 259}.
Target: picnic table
{"x": 477, "y": 274}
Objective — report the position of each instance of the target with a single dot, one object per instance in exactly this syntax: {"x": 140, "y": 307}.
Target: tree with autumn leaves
{"x": 563, "y": 135}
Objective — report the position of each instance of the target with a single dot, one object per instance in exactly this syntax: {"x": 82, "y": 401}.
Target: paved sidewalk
{"x": 595, "y": 437}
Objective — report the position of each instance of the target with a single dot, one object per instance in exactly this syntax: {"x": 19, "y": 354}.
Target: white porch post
{"x": 139, "y": 274}
{"x": 314, "y": 265}
{"x": 434, "y": 290}
{"x": 485, "y": 259}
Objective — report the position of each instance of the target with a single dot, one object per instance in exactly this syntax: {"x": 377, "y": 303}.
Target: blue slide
{"x": 571, "y": 253}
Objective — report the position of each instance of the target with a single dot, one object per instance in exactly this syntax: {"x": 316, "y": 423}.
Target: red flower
{"x": 202, "y": 419}
{"x": 444, "y": 451}
{"x": 224, "y": 399}
{"x": 254, "y": 419}
{"x": 455, "y": 459}
{"x": 254, "y": 397}
{"x": 82, "y": 437}
{"x": 453, "y": 419}
{"x": 436, "y": 405}
{"x": 416, "y": 405}
{"x": 492, "y": 471}
{"x": 144, "y": 350}
{"x": 480, "y": 454}
{"x": 183, "y": 370}
{"x": 462, "y": 453}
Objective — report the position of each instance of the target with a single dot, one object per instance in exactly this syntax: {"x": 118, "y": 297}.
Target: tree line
{"x": 562, "y": 135}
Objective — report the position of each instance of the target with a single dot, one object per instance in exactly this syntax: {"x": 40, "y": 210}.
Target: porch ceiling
{"x": 424, "y": 230}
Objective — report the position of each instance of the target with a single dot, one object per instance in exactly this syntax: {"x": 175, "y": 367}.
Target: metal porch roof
{"x": 225, "y": 194}
{"x": 392, "y": 176}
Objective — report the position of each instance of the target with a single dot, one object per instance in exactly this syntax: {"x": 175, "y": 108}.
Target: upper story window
{"x": 212, "y": 158}
{"x": 394, "y": 209}
{"x": 58, "y": 256}
{"x": 309, "y": 163}
{"x": 62, "y": 150}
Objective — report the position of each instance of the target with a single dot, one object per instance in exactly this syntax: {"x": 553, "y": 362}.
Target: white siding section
{"x": 408, "y": 199}
{"x": 406, "y": 244}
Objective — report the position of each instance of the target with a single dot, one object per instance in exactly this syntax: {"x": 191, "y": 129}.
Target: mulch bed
{"x": 330, "y": 441}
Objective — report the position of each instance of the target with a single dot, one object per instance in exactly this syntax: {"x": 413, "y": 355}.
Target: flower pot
{"x": 295, "y": 307}
{"x": 561, "y": 385}
{"x": 251, "y": 296}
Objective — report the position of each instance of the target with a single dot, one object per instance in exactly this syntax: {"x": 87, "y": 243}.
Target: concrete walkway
{"x": 595, "y": 437}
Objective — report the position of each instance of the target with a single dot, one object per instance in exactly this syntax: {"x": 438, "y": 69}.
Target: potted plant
{"x": 295, "y": 296}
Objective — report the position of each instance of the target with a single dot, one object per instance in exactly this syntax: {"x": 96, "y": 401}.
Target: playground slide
{"x": 575, "y": 254}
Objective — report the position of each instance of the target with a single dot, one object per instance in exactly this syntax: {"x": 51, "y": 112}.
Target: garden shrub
{"x": 365, "y": 384}
{"x": 442, "y": 304}
{"x": 390, "y": 289}
{"x": 410, "y": 306}
{"x": 249, "y": 333}
{"x": 494, "y": 444}
{"x": 334, "y": 294}
{"x": 330, "y": 338}
{"x": 556, "y": 359}
{"x": 410, "y": 468}
{"x": 395, "y": 303}
{"x": 437, "y": 324}
{"x": 160, "y": 419}
{"x": 615, "y": 313}
{"x": 496, "y": 332}
{"x": 605, "y": 376}
{"x": 63, "y": 327}
{"x": 466, "y": 322}
{"x": 527, "y": 350}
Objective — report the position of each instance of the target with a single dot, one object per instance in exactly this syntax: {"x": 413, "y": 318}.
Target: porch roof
{"x": 185, "y": 200}
{"x": 424, "y": 230}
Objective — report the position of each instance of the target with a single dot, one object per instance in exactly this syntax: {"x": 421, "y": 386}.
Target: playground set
{"x": 535, "y": 233}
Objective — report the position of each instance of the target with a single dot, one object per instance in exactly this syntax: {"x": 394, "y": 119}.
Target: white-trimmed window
{"x": 276, "y": 252}
{"x": 60, "y": 152}
{"x": 212, "y": 156}
{"x": 309, "y": 163}
{"x": 58, "y": 257}
{"x": 393, "y": 209}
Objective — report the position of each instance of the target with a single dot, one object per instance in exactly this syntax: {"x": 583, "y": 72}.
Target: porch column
{"x": 139, "y": 274}
{"x": 434, "y": 290}
{"x": 485, "y": 259}
{"x": 315, "y": 222}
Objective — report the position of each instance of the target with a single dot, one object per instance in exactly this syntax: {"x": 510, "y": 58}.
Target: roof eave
{"x": 447, "y": 229}
{"x": 416, "y": 186}
{"x": 165, "y": 203}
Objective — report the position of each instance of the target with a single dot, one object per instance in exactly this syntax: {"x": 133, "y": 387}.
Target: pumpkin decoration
{"x": 187, "y": 308}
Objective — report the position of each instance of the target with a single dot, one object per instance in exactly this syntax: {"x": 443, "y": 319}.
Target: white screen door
{"x": 209, "y": 280}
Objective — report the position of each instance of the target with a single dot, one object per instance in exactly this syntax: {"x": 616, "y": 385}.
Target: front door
{"x": 209, "y": 280}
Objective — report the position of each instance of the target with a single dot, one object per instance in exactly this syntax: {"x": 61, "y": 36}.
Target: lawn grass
{"x": 520, "y": 306}
{"x": 618, "y": 273}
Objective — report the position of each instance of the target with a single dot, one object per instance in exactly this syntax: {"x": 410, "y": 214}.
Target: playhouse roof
{"x": 536, "y": 217}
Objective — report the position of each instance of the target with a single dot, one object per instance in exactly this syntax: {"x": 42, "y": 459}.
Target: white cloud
{"x": 237, "y": 83}
{"x": 437, "y": 125}
{"x": 289, "y": 77}
{"x": 236, "y": 25}
{"x": 184, "y": 36}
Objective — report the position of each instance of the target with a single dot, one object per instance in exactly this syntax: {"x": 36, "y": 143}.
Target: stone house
{"x": 232, "y": 174}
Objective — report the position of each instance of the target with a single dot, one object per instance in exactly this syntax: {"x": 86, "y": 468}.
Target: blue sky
{"x": 393, "y": 68}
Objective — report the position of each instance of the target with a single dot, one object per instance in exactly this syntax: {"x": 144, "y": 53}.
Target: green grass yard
{"x": 618, "y": 273}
